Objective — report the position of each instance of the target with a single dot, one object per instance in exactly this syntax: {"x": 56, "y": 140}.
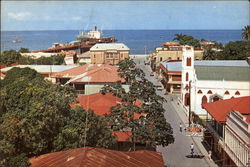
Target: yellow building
{"x": 171, "y": 51}
{"x": 108, "y": 53}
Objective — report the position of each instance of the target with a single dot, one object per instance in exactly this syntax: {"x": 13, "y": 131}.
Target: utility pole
{"x": 189, "y": 107}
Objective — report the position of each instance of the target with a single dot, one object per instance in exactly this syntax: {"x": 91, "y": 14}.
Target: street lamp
{"x": 189, "y": 108}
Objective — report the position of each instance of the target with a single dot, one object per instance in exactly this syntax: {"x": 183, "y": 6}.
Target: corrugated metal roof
{"x": 109, "y": 46}
{"x": 227, "y": 73}
{"x": 98, "y": 157}
{"x": 219, "y": 109}
{"x": 43, "y": 68}
{"x": 177, "y": 66}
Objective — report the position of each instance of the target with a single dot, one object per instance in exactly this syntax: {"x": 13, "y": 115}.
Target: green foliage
{"x": 238, "y": 50}
{"x": 187, "y": 40}
{"x": 9, "y": 57}
{"x": 209, "y": 54}
{"x": 36, "y": 118}
{"x": 74, "y": 132}
{"x": 151, "y": 130}
{"x": 246, "y": 32}
{"x": 128, "y": 71}
{"x": 53, "y": 60}
{"x": 24, "y": 50}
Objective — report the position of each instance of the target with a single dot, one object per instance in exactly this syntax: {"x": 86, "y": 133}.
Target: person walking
{"x": 180, "y": 127}
{"x": 210, "y": 154}
{"x": 192, "y": 149}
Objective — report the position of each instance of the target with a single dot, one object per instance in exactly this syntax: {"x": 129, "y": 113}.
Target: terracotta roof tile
{"x": 93, "y": 73}
{"x": 101, "y": 104}
{"x": 219, "y": 109}
{"x": 92, "y": 157}
{"x": 122, "y": 136}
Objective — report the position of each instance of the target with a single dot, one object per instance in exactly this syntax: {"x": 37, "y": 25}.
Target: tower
{"x": 187, "y": 73}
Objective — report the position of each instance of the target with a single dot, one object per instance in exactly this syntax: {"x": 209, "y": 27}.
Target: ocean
{"x": 139, "y": 41}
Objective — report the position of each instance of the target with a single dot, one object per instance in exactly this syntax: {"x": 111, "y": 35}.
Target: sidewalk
{"x": 197, "y": 140}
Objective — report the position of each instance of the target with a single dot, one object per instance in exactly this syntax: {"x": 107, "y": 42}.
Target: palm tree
{"x": 179, "y": 37}
{"x": 246, "y": 33}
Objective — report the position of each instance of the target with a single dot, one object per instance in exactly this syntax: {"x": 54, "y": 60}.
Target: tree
{"x": 246, "y": 32}
{"x": 73, "y": 134}
{"x": 128, "y": 71}
{"x": 36, "y": 118}
{"x": 209, "y": 54}
{"x": 24, "y": 50}
{"x": 187, "y": 40}
{"x": 151, "y": 130}
{"x": 238, "y": 50}
{"x": 9, "y": 57}
{"x": 178, "y": 37}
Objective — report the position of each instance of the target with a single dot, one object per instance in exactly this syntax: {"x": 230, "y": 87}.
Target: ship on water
{"x": 85, "y": 40}
{"x": 94, "y": 36}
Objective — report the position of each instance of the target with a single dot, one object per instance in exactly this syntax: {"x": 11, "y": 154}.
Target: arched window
{"x": 189, "y": 61}
{"x": 199, "y": 92}
{"x": 187, "y": 99}
{"x": 209, "y": 92}
{"x": 204, "y": 99}
{"x": 237, "y": 93}
{"x": 187, "y": 76}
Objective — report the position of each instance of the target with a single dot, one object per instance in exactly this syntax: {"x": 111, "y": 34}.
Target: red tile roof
{"x": 98, "y": 157}
{"x": 219, "y": 109}
{"x": 122, "y": 136}
{"x": 100, "y": 104}
{"x": 100, "y": 73}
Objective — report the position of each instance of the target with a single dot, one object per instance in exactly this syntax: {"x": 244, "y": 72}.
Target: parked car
{"x": 159, "y": 87}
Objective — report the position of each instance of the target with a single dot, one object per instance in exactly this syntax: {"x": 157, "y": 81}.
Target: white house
{"x": 208, "y": 81}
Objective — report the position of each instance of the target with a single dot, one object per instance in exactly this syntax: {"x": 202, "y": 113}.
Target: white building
{"x": 237, "y": 137}
{"x": 212, "y": 80}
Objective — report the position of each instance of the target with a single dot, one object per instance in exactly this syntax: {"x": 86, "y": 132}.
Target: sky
{"x": 124, "y": 15}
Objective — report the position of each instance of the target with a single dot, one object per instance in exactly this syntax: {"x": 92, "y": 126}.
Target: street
{"x": 178, "y": 153}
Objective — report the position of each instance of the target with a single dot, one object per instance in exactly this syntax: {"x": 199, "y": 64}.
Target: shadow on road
{"x": 195, "y": 156}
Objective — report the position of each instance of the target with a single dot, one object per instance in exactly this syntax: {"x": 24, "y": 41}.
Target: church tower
{"x": 187, "y": 72}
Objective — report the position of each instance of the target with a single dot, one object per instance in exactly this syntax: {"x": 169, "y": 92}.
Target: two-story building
{"x": 228, "y": 130}
{"x": 171, "y": 51}
{"x": 108, "y": 53}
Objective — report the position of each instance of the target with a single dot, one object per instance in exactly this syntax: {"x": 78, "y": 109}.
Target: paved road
{"x": 175, "y": 154}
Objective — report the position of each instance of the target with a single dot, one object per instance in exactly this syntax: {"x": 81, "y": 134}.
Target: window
{"x": 187, "y": 99}
{"x": 237, "y": 93}
{"x": 204, "y": 99}
{"x": 189, "y": 61}
{"x": 187, "y": 76}
{"x": 160, "y": 58}
{"x": 199, "y": 92}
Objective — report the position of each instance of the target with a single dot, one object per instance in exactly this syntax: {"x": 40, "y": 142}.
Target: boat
{"x": 16, "y": 41}
{"x": 94, "y": 36}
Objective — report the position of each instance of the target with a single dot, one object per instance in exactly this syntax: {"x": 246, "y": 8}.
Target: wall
{"x": 217, "y": 88}
{"x": 95, "y": 88}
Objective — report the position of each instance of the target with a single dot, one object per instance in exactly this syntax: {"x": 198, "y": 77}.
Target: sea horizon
{"x": 139, "y": 41}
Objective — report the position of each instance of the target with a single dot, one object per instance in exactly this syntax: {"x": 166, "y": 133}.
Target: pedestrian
{"x": 192, "y": 149}
{"x": 180, "y": 127}
{"x": 210, "y": 154}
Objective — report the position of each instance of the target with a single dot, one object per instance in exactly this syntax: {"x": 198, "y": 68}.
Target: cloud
{"x": 19, "y": 15}
{"x": 76, "y": 18}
